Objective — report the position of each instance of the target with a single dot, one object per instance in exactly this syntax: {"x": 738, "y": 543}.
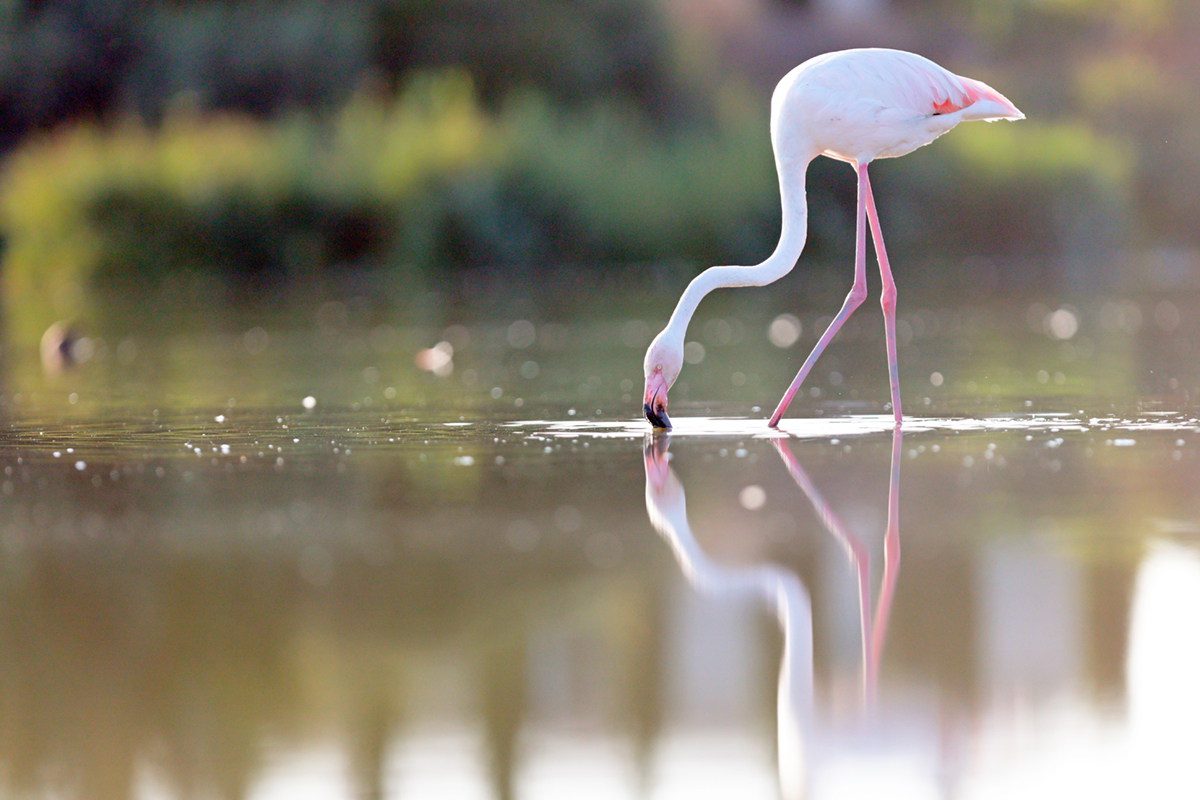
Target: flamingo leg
{"x": 858, "y": 293}
{"x": 887, "y": 299}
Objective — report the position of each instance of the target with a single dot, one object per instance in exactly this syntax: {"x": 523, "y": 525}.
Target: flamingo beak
{"x": 654, "y": 404}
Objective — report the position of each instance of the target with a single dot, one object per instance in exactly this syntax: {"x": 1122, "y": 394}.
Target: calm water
{"x": 331, "y": 565}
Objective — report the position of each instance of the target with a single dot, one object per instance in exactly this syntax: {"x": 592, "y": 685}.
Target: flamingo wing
{"x": 899, "y": 80}
{"x": 858, "y": 105}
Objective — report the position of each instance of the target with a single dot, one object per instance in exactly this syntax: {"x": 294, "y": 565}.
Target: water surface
{"x": 323, "y": 566}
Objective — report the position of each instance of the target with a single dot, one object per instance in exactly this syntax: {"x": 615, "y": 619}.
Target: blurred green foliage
{"x": 63, "y": 59}
{"x": 94, "y": 208}
{"x": 263, "y": 149}
{"x": 427, "y": 181}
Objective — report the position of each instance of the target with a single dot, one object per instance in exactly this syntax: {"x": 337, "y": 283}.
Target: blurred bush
{"x": 570, "y": 51}
{"x": 92, "y": 209}
{"x": 162, "y": 151}
{"x": 412, "y": 187}
{"x": 105, "y": 59}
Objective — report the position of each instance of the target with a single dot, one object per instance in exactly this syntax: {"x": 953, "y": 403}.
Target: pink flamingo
{"x": 854, "y": 106}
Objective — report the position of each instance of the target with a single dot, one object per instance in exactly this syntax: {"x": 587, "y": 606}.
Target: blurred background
{"x": 329, "y": 263}
{"x": 201, "y": 162}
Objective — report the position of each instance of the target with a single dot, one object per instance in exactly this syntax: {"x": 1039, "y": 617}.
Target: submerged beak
{"x": 654, "y": 404}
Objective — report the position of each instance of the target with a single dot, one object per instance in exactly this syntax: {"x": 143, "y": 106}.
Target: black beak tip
{"x": 658, "y": 418}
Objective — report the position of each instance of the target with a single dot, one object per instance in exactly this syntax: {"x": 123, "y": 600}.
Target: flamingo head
{"x": 664, "y": 360}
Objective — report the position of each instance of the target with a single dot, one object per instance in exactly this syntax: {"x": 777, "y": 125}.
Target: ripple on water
{"x": 848, "y": 426}
{"x": 264, "y": 437}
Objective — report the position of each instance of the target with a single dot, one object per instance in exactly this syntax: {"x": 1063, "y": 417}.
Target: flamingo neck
{"x": 791, "y": 242}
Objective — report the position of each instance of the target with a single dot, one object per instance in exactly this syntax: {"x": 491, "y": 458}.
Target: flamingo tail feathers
{"x": 985, "y": 103}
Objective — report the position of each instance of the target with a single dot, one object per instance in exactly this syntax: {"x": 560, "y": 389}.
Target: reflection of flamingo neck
{"x": 781, "y": 590}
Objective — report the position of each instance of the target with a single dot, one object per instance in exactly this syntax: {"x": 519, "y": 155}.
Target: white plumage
{"x": 854, "y": 106}
{"x": 859, "y": 105}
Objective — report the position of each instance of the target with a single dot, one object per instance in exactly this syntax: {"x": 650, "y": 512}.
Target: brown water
{"x": 300, "y": 566}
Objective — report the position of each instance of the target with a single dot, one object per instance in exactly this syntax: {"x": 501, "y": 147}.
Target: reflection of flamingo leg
{"x": 860, "y": 557}
{"x": 873, "y": 636}
{"x": 891, "y": 549}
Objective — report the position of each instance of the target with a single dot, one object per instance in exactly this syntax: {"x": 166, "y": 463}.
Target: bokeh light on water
{"x": 322, "y": 564}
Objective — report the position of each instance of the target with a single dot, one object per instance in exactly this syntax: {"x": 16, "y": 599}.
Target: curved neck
{"x": 791, "y": 242}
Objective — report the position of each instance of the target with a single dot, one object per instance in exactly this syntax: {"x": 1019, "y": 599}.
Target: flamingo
{"x": 853, "y": 106}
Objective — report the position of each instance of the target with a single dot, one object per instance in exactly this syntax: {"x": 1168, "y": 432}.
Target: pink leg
{"x": 887, "y": 299}
{"x": 858, "y": 293}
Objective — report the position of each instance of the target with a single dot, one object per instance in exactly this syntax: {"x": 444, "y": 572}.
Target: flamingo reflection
{"x": 780, "y": 589}
{"x": 873, "y": 635}
{"x": 782, "y": 592}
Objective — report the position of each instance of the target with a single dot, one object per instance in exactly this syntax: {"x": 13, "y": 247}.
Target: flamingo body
{"x": 860, "y": 105}
{"x": 854, "y": 106}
